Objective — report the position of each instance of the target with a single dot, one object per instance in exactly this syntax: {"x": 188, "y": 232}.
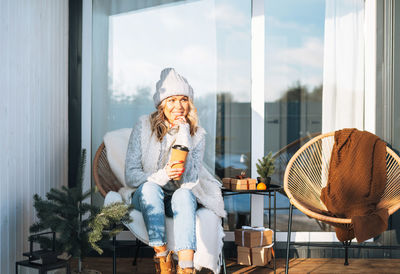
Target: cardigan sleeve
{"x": 134, "y": 173}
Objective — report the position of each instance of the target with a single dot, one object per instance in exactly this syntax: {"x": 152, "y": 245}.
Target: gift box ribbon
{"x": 260, "y": 228}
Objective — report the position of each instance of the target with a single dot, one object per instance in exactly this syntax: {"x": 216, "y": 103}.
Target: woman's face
{"x": 176, "y": 106}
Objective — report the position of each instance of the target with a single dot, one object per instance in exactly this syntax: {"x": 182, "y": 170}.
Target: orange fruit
{"x": 261, "y": 186}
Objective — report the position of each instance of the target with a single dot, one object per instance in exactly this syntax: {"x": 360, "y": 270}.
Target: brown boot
{"x": 164, "y": 264}
{"x": 188, "y": 270}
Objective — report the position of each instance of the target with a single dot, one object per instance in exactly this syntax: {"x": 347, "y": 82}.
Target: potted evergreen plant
{"x": 265, "y": 168}
{"x": 63, "y": 213}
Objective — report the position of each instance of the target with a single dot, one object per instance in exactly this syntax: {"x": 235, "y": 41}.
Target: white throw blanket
{"x": 116, "y": 143}
{"x": 209, "y": 231}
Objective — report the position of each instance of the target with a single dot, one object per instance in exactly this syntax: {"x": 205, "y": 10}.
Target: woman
{"x": 149, "y": 169}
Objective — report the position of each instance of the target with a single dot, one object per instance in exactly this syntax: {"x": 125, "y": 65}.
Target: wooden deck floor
{"x": 145, "y": 265}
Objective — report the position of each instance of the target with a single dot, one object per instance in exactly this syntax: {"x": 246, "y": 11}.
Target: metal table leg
{"x": 269, "y": 209}
{"x": 288, "y": 238}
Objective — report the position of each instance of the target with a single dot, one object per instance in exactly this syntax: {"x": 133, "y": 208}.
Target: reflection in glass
{"x": 294, "y": 34}
{"x": 233, "y": 120}
{"x": 208, "y": 42}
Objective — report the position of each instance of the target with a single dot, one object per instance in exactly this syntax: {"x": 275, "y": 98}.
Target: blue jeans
{"x": 155, "y": 204}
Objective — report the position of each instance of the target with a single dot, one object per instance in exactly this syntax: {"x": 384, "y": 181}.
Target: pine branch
{"x": 58, "y": 196}
{"x": 110, "y": 216}
{"x": 37, "y": 227}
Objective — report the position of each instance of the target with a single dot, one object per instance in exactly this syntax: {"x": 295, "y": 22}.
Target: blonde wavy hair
{"x": 159, "y": 122}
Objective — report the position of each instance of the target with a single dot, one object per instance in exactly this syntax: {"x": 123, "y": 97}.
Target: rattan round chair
{"x": 307, "y": 173}
{"x": 103, "y": 176}
{"x": 283, "y": 156}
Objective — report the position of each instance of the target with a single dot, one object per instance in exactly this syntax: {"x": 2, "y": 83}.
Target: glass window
{"x": 233, "y": 134}
{"x": 208, "y": 42}
{"x": 396, "y": 84}
{"x": 294, "y": 42}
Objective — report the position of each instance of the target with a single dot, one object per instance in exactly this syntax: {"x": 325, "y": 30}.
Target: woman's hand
{"x": 179, "y": 120}
{"x": 174, "y": 173}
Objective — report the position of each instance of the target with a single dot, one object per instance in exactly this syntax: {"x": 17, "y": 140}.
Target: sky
{"x": 294, "y": 45}
{"x": 209, "y": 42}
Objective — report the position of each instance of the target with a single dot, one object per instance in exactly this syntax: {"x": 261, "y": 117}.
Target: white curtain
{"x": 343, "y": 83}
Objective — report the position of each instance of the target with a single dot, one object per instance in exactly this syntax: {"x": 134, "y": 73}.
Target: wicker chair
{"x": 283, "y": 156}
{"x": 103, "y": 176}
{"x": 307, "y": 173}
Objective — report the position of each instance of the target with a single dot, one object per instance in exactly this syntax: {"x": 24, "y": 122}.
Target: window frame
{"x": 373, "y": 96}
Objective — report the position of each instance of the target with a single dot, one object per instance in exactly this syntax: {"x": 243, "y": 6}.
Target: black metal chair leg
{"x": 138, "y": 245}
{"x": 223, "y": 262}
{"x": 288, "y": 238}
{"x": 346, "y": 245}
{"x": 114, "y": 254}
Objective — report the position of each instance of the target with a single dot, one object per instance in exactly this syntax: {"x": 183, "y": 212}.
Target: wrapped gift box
{"x": 243, "y": 255}
{"x": 258, "y": 256}
{"x": 226, "y": 182}
{"x": 253, "y": 238}
{"x": 261, "y": 256}
{"x": 252, "y": 183}
{"x": 239, "y": 184}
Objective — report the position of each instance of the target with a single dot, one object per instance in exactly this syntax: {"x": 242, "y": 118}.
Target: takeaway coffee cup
{"x": 179, "y": 153}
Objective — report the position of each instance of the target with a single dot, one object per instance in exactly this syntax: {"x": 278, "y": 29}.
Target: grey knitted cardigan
{"x": 146, "y": 158}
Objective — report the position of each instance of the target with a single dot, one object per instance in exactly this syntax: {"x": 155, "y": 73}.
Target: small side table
{"x": 43, "y": 268}
{"x": 270, "y": 192}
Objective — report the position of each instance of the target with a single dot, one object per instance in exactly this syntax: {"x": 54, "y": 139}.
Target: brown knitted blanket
{"x": 356, "y": 181}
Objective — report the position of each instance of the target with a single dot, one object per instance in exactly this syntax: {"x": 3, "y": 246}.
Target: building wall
{"x": 33, "y": 114}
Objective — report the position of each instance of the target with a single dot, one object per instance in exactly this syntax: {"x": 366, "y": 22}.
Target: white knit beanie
{"x": 170, "y": 84}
